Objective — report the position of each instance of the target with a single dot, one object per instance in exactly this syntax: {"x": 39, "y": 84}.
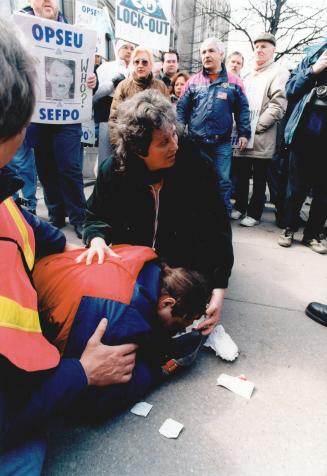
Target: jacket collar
{"x": 222, "y": 78}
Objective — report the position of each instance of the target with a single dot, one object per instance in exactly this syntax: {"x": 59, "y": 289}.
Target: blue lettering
{"x": 126, "y": 15}
{"x": 37, "y": 32}
{"x": 78, "y": 40}
{"x": 58, "y": 114}
{"x": 75, "y": 114}
{"x": 60, "y": 38}
{"x": 133, "y": 18}
{"x": 49, "y": 33}
{"x": 118, "y": 14}
{"x": 152, "y": 25}
{"x": 68, "y": 38}
{"x": 140, "y": 21}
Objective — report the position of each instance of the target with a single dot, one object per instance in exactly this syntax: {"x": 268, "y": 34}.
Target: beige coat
{"x": 130, "y": 86}
{"x": 272, "y": 78}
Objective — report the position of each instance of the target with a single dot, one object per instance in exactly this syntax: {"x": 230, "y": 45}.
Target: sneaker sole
{"x": 285, "y": 245}
{"x": 315, "y": 318}
{"x": 322, "y": 252}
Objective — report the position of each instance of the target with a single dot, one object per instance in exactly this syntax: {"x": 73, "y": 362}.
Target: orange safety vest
{"x": 21, "y": 339}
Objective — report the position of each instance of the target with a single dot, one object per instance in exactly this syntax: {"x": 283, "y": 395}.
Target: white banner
{"x": 144, "y": 22}
{"x": 95, "y": 19}
{"x": 64, "y": 59}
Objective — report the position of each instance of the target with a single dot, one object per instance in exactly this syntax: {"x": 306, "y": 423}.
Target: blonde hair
{"x": 141, "y": 49}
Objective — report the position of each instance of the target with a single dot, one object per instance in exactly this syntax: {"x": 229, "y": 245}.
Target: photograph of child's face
{"x": 60, "y": 78}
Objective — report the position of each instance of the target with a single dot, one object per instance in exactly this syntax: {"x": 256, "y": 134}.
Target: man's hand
{"x": 107, "y": 365}
{"x": 213, "y": 312}
{"x": 320, "y": 64}
{"x": 97, "y": 247}
{"x": 242, "y": 143}
{"x": 91, "y": 81}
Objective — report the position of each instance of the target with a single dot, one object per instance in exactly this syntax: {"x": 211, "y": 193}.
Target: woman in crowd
{"x": 162, "y": 194}
{"x": 177, "y": 83}
{"x": 141, "y": 78}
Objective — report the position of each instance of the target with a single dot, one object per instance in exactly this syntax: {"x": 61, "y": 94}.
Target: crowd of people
{"x": 158, "y": 246}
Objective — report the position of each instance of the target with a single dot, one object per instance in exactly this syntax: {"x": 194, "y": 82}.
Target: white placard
{"x": 144, "y": 22}
{"x": 142, "y": 409}
{"x": 95, "y": 19}
{"x": 64, "y": 59}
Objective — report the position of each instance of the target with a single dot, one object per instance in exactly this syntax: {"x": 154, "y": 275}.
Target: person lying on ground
{"x": 146, "y": 302}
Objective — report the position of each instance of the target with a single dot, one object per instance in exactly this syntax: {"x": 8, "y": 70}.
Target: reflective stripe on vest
{"x": 21, "y": 339}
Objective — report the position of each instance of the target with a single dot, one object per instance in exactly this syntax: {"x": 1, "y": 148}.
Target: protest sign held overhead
{"x": 95, "y": 19}
{"x": 144, "y": 22}
{"x": 64, "y": 59}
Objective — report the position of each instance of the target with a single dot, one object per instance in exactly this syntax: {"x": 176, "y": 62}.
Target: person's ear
{"x": 166, "y": 301}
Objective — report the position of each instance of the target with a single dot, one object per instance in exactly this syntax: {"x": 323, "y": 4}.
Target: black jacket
{"x": 193, "y": 227}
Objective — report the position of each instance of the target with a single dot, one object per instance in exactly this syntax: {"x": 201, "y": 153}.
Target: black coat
{"x": 193, "y": 225}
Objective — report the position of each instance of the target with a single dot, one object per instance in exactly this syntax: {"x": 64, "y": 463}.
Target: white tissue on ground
{"x": 222, "y": 344}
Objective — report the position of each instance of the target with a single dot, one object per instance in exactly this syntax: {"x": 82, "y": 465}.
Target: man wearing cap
{"x": 109, "y": 74}
{"x": 267, "y": 81}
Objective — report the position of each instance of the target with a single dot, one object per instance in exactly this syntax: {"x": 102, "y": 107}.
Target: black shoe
{"x": 58, "y": 222}
{"x": 317, "y": 312}
{"x": 78, "y": 230}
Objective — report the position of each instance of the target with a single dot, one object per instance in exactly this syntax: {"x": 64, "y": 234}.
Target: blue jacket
{"x": 298, "y": 90}
{"x": 207, "y": 108}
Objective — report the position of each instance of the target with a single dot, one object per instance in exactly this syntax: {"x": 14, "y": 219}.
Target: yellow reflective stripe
{"x": 28, "y": 253}
{"x": 15, "y": 316}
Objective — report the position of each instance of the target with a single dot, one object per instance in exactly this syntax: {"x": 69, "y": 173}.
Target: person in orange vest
{"x": 34, "y": 382}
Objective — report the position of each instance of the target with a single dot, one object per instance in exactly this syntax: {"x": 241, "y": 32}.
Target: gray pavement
{"x": 280, "y": 431}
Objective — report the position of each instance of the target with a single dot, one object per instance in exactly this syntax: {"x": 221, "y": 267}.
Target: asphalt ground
{"x": 280, "y": 431}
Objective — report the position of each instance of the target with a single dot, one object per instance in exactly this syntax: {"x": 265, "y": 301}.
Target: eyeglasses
{"x": 143, "y": 62}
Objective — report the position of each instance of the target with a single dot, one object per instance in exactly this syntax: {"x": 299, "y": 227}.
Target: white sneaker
{"x": 236, "y": 215}
{"x": 249, "y": 221}
{"x": 222, "y": 344}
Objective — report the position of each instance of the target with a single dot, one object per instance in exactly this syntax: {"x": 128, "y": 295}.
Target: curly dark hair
{"x": 137, "y": 119}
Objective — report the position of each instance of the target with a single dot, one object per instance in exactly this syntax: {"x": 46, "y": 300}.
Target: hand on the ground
{"x": 91, "y": 81}
{"x": 213, "y": 312}
{"x": 107, "y": 365}
{"x": 242, "y": 143}
{"x": 320, "y": 64}
{"x": 98, "y": 247}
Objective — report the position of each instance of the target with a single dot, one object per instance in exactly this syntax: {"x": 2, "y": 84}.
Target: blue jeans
{"x": 221, "y": 157}
{"x": 23, "y": 164}
{"x": 25, "y": 459}
{"x": 59, "y": 165}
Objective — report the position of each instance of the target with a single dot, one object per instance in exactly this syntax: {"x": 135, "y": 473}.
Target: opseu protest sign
{"x": 64, "y": 59}
{"x": 144, "y": 22}
{"x": 95, "y": 19}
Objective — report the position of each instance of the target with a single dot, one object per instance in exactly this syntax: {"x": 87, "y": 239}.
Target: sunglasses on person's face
{"x": 143, "y": 62}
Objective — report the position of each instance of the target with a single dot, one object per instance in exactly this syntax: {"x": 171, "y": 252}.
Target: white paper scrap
{"x": 237, "y": 385}
{"x": 141, "y": 409}
{"x": 171, "y": 428}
